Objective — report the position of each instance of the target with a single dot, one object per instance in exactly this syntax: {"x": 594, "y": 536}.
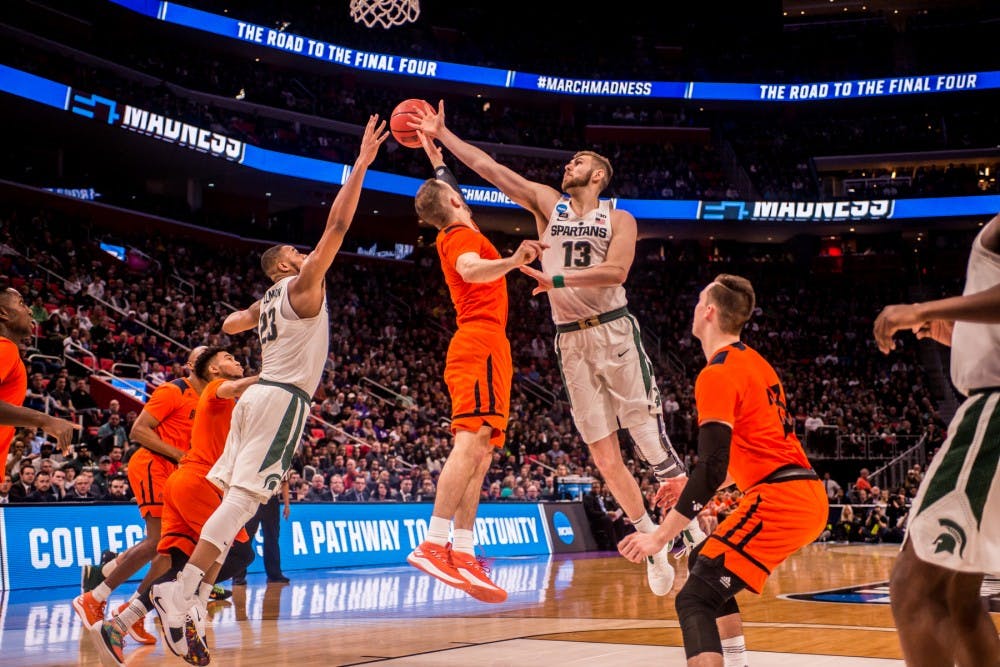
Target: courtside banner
{"x": 282, "y": 40}
{"x": 570, "y": 530}
{"x": 46, "y": 545}
{"x": 148, "y": 125}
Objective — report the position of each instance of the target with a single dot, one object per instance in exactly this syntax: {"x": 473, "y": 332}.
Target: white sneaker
{"x": 172, "y": 608}
{"x": 659, "y": 572}
{"x": 691, "y": 537}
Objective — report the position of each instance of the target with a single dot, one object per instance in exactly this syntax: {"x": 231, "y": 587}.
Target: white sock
{"x": 644, "y": 524}
{"x": 189, "y": 579}
{"x": 437, "y": 532}
{"x": 134, "y": 612}
{"x": 110, "y": 566}
{"x": 734, "y": 652}
{"x": 205, "y": 592}
{"x": 102, "y": 592}
{"x": 463, "y": 541}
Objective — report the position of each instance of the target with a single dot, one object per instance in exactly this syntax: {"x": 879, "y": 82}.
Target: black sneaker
{"x": 92, "y": 576}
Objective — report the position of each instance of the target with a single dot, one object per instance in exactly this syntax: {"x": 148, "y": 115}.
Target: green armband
{"x": 558, "y": 281}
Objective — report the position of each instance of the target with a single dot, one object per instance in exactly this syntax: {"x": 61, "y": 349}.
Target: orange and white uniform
{"x": 784, "y": 506}
{"x": 13, "y": 387}
{"x": 189, "y": 499}
{"x": 173, "y": 405}
{"x": 478, "y": 369}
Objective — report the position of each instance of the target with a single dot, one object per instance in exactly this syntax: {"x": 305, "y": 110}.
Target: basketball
{"x": 402, "y": 115}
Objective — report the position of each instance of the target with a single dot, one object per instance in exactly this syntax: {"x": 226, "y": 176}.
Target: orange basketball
{"x": 402, "y": 115}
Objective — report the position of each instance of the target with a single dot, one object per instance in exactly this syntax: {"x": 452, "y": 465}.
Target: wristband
{"x": 558, "y": 281}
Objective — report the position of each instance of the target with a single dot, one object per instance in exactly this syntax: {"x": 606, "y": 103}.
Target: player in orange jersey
{"x": 15, "y": 326}
{"x": 188, "y": 501}
{"x": 163, "y": 430}
{"x": 478, "y": 373}
{"x": 745, "y": 436}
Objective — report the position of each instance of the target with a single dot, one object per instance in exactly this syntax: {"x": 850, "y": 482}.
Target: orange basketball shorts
{"x": 147, "y": 475}
{"x": 478, "y": 372}
{"x": 772, "y": 522}
{"x": 188, "y": 501}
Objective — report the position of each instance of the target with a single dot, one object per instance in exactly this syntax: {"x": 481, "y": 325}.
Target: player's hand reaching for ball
{"x": 374, "y": 136}
{"x": 429, "y": 123}
{"x": 433, "y": 151}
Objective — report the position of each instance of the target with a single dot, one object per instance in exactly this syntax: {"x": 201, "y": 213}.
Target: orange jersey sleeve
{"x": 474, "y": 302}
{"x": 210, "y": 428}
{"x": 740, "y": 388}
{"x": 174, "y": 409}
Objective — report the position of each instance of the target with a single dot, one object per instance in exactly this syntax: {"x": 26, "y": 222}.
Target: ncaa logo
{"x": 564, "y": 529}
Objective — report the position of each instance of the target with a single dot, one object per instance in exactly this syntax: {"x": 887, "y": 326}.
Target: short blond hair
{"x": 601, "y": 163}
{"x": 734, "y": 298}
{"x": 430, "y": 205}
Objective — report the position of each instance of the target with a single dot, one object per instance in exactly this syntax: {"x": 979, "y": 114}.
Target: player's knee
{"x": 697, "y": 605}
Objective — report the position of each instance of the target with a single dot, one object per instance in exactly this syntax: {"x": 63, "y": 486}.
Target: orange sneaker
{"x": 138, "y": 629}
{"x": 478, "y": 583}
{"x": 435, "y": 560}
{"x": 88, "y": 609}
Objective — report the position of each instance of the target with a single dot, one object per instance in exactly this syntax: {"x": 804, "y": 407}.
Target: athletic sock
{"x": 101, "y": 592}
{"x": 189, "y": 578}
{"x": 205, "y": 592}
{"x": 463, "y": 541}
{"x": 437, "y": 532}
{"x": 131, "y": 614}
{"x": 734, "y": 652}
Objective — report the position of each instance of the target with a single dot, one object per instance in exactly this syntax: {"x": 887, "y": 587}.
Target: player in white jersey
{"x": 608, "y": 377}
{"x": 293, "y": 325}
{"x": 953, "y": 536}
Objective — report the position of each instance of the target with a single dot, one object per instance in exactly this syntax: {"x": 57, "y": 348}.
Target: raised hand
{"x": 528, "y": 252}
{"x": 429, "y": 123}
{"x": 374, "y": 136}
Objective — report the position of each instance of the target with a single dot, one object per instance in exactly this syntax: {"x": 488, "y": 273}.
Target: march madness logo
{"x": 878, "y": 593}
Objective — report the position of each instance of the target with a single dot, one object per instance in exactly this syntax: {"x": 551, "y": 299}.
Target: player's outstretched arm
{"x": 934, "y": 319}
{"x": 306, "y": 290}
{"x": 535, "y": 197}
{"x": 476, "y": 269}
{"x": 242, "y": 320}
{"x": 60, "y": 429}
{"x": 235, "y": 388}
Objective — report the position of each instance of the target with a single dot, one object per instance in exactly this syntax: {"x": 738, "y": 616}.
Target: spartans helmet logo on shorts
{"x": 952, "y": 537}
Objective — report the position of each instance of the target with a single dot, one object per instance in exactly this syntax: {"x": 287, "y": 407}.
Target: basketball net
{"x": 385, "y": 13}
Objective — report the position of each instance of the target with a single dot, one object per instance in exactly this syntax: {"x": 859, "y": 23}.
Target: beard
{"x": 580, "y": 181}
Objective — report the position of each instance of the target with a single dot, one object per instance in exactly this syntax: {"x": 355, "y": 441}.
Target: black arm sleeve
{"x": 443, "y": 173}
{"x": 713, "y": 463}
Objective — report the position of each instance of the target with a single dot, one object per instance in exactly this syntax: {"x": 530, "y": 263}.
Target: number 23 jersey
{"x": 577, "y": 242}
{"x": 293, "y": 348}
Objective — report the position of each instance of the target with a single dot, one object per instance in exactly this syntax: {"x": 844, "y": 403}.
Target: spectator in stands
{"x": 25, "y": 482}
{"x": 112, "y": 433}
{"x": 117, "y": 490}
{"x": 427, "y": 490}
{"x": 600, "y": 518}
{"x": 318, "y": 493}
{"x": 43, "y": 491}
{"x": 405, "y": 494}
{"x": 37, "y": 397}
{"x": 59, "y": 483}
{"x": 862, "y": 482}
{"x": 83, "y": 402}
{"x": 357, "y": 493}
{"x": 82, "y": 489}
{"x": 381, "y": 494}
{"x": 832, "y": 487}
{"x": 336, "y": 487}
{"x": 555, "y": 453}
{"x": 103, "y": 475}
{"x": 5, "y": 487}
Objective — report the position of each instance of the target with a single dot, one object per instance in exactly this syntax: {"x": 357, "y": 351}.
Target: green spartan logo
{"x": 952, "y": 537}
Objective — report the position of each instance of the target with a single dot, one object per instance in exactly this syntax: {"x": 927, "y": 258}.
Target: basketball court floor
{"x": 826, "y": 606}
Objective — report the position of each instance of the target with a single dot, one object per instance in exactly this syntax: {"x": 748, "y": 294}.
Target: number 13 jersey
{"x": 577, "y": 242}
{"x": 293, "y": 348}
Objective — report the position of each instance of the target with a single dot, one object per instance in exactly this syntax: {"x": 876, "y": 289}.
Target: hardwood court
{"x": 588, "y": 610}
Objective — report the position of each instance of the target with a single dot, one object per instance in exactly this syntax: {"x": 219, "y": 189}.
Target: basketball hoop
{"x": 385, "y": 13}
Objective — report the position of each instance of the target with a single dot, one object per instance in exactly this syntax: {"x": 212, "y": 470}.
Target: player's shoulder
{"x": 173, "y": 388}
{"x": 8, "y": 347}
